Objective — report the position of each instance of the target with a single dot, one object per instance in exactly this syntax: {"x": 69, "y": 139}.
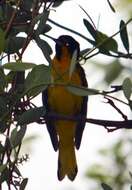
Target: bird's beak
{"x": 54, "y": 39}
{"x": 50, "y": 37}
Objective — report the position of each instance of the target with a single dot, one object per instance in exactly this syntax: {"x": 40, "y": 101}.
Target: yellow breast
{"x": 60, "y": 99}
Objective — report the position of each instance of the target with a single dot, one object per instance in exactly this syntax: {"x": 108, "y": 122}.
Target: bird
{"x": 65, "y": 135}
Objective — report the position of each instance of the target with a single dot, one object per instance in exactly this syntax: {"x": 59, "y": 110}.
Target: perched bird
{"x": 65, "y": 134}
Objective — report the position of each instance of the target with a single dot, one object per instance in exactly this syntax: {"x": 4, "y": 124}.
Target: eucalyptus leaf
{"x": 37, "y": 80}
{"x": 5, "y": 175}
{"x": 45, "y": 48}
{"x": 10, "y": 76}
{"x": 105, "y": 186}
{"x": 112, "y": 8}
{"x": 81, "y": 91}
{"x": 57, "y": 3}
{"x": 14, "y": 44}
{"x": 2, "y": 40}
{"x": 3, "y": 108}
{"x": 2, "y": 167}
{"x": 90, "y": 28}
{"x": 3, "y": 81}
{"x": 130, "y": 173}
{"x": 112, "y": 71}
{"x": 30, "y": 116}
{"x": 2, "y": 148}
{"x": 84, "y": 51}
{"x": 24, "y": 183}
{"x": 18, "y": 66}
{"x": 17, "y": 171}
{"x": 46, "y": 28}
{"x": 27, "y": 5}
{"x": 124, "y": 35}
{"x": 3, "y": 126}
{"x": 106, "y": 43}
{"x": 127, "y": 88}
{"x": 23, "y": 16}
{"x": 42, "y": 22}
{"x": 17, "y": 136}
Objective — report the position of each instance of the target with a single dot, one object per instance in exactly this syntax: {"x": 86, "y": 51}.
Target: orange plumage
{"x": 65, "y": 135}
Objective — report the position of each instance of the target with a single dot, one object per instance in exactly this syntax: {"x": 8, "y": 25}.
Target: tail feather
{"x": 67, "y": 163}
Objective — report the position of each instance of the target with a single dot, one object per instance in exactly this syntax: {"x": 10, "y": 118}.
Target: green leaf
{"x": 27, "y": 5}
{"x": 57, "y": 3}
{"x": 106, "y": 43}
{"x": 37, "y": 80}
{"x": 2, "y": 148}
{"x": 3, "y": 82}
{"x": 3, "y": 126}
{"x": 18, "y": 66}
{"x": 84, "y": 51}
{"x": 130, "y": 173}
{"x": 30, "y": 116}
{"x": 131, "y": 187}
{"x": 73, "y": 63}
{"x": 2, "y": 40}
{"x": 112, "y": 71}
{"x": 3, "y": 105}
{"x": 16, "y": 170}
{"x": 10, "y": 76}
{"x": 46, "y": 28}
{"x": 42, "y": 22}
{"x": 105, "y": 186}
{"x": 98, "y": 173}
{"x": 45, "y": 48}
{"x": 5, "y": 175}
{"x": 90, "y": 28}
{"x": 14, "y": 44}
{"x": 24, "y": 183}
{"x": 22, "y": 15}
{"x": 112, "y": 8}
{"x": 2, "y": 167}
{"x": 127, "y": 88}
{"x": 18, "y": 29}
{"x": 17, "y": 136}
{"x": 81, "y": 91}
{"x": 124, "y": 35}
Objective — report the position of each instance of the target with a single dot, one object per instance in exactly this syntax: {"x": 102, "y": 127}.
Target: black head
{"x": 69, "y": 42}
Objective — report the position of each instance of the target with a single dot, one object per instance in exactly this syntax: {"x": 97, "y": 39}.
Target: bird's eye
{"x": 67, "y": 44}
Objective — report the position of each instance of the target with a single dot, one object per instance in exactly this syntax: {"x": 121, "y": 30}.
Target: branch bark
{"x": 110, "y": 125}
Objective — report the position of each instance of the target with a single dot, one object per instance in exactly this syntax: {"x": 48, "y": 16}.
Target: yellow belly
{"x": 62, "y": 101}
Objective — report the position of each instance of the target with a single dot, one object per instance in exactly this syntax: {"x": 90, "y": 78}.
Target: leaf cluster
{"x": 117, "y": 157}
{"x": 22, "y": 22}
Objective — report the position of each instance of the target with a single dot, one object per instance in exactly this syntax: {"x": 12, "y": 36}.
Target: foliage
{"x": 116, "y": 170}
{"x": 32, "y": 18}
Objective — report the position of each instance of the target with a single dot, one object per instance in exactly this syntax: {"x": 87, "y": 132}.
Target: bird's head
{"x": 68, "y": 43}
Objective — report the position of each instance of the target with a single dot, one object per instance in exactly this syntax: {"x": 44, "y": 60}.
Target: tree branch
{"x": 110, "y": 125}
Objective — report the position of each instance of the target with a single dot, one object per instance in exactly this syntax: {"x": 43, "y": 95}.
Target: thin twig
{"x": 50, "y": 4}
{"x": 109, "y": 101}
{"x": 119, "y": 54}
{"x": 12, "y": 19}
{"x": 30, "y": 34}
{"x": 88, "y": 16}
{"x": 114, "y": 98}
{"x": 72, "y": 31}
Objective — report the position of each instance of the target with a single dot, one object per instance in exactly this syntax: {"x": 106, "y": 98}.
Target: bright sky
{"x": 41, "y": 169}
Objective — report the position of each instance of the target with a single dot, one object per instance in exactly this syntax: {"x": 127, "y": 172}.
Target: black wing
{"x": 83, "y": 111}
{"x": 49, "y": 122}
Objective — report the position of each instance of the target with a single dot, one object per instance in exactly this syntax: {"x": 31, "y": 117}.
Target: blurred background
{"x": 103, "y": 157}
